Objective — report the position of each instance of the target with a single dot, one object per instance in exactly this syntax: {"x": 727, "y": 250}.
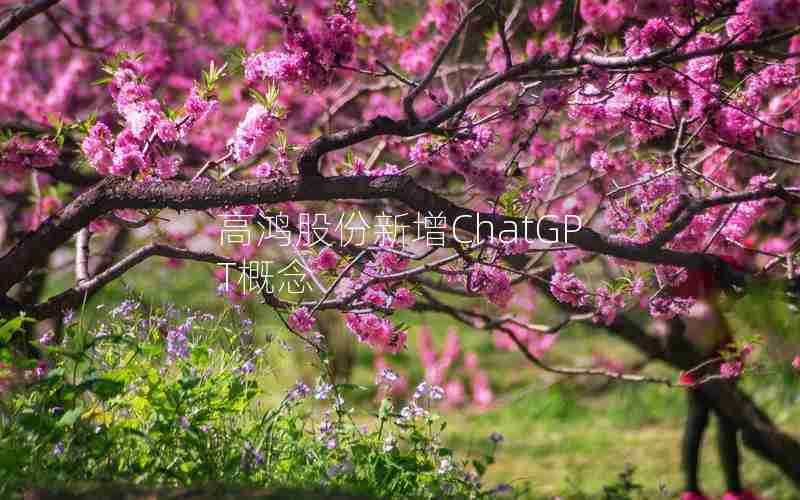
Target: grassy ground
{"x": 566, "y": 437}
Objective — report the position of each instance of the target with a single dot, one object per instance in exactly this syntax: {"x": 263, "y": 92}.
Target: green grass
{"x": 566, "y": 437}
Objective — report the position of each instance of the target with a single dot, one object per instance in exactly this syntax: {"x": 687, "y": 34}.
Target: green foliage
{"x": 163, "y": 398}
{"x": 766, "y": 307}
{"x": 624, "y": 488}
{"x": 111, "y": 65}
{"x": 212, "y": 76}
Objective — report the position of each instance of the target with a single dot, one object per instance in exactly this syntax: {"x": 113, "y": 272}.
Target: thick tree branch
{"x": 116, "y": 193}
{"x": 690, "y": 209}
{"x": 20, "y": 14}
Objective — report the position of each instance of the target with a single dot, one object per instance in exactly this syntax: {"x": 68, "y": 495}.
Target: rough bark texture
{"x": 20, "y": 14}
{"x": 117, "y": 193}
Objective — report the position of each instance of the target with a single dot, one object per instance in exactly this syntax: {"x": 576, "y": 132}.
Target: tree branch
{"x": 82, "y": 256}
{"x": 21, "y": 13}
{"x": 116, "y": 193}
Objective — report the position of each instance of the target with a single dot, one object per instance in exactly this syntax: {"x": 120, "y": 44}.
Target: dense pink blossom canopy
{"x": 668, "y": 128}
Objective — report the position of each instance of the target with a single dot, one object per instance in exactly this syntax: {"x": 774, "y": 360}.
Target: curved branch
{"x": 116, "y": 193}
{"x": 545, "y": 68}
{"x": 22, "y": 13}
{"x": 73, "y": 297}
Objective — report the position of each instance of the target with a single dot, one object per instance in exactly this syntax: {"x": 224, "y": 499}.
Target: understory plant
{"x": 169, "y": 397}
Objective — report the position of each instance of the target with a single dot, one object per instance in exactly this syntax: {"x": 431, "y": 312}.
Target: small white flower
{"x": 322, "y": 391}
{"x": 420, "y": 391}
{"x": 387, "y": 375}
{"x": 389, "y": 443}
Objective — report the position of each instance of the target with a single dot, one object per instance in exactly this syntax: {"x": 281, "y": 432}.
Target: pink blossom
{"x": 452, "y": 347}
{"x": 44, "y": 153}
{"x": 482, "y": 394}
{"x": 745, "y": 214}
{"x": 454, "y": 392}
{"x": 492, "y": 283}
{"x": 403, "y": 299}
{"x": 198, "y": 107}
{"x": 127, "y": 161}
{"x": 772, "y": 13}
{"x": 436, "y": 367}
{"x": 168, "y": 167}
{"x": 693, "y": 495}
{"x": 536, "y": 343}
{"x": 686, "y": 379}
{"x": 645, "y": 9}
{"x": 301, "y": 320}
{"x": 542, "y": 16}
{"x": 604, "y": 16}
{"x": 657, "y": 33}
{"x": 796, "y": 362}
{"x": 376, "y": 331}
{"x": 669, "y": 307}
{"x": 425, "y": 348}
{"x": 141, "y": 121}
{"x": 275, "y": 66}
{"x": 470, "y": 361}
{"x": 264, "y": 170}
{"x": 390, "y": 262}
{"x": 254, "y": 132}
{"x": 310, "y": 56}
{"x": 131, "y": 92}
{"x": 731, "y": 369}
{"x": 326, "y": 260}
{"x": 167, "y": 131}
{"x": 608, "y": 305}
{"x": 338, "y": 44}
{"x": 100, "y": 225}
{"x": 743, "y": 26}
{"x": 566, "y": 288}
{"x": 97, "y": 148}
{"x": 376, "y": 296}
{"x": 599, "y": 162}
{"x": 554, "y": 98}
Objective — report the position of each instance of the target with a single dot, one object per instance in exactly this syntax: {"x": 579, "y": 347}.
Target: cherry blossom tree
{"x": 643, "y": 140}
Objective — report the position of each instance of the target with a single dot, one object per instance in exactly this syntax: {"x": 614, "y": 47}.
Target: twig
{"x": 20, "y": 14}
{"x": 82, "y": 256}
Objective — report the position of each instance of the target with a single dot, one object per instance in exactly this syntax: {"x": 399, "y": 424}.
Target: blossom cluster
{"x": 439, "y": 371}
{"x": 132, "y": 150}
{"x": 379, "y": 333}
{"x": 309, "y": 56}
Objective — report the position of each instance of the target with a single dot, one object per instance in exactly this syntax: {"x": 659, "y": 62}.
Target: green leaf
{"x": 8, "y": 328}
{"x": 103, "y": 388}
{"x": 70, "y": 417}
{"x": 352, "y": 387}
{"x": 188, "y": 383}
